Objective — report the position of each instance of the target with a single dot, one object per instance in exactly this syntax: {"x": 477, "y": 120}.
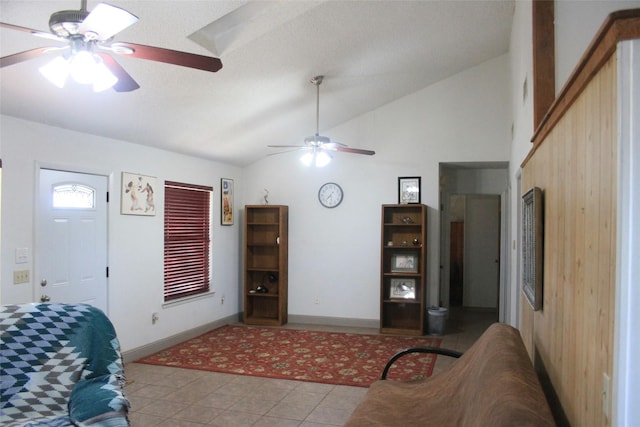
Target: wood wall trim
{"x": 620, "y": 25}
{"x": 544, "y": 65}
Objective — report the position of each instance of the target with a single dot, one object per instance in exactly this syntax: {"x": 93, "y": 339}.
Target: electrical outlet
{"x": 154, "y": 318}
{"x": 20, "y": 276}
{"x": 316, "y": 300}
{"x": 222, "y": 300}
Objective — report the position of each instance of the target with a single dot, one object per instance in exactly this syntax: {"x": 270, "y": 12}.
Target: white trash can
{"x": 437, "y": 320}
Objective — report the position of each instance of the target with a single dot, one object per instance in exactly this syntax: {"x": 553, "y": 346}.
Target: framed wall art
{"x": 137, "y": 195}
{"x": 408, "y": 190}
{"x": 404, "y": 263}
{"x": 226, "y": 201}
{"x": 532, "y": 247}
{"x": 402, "y": 289}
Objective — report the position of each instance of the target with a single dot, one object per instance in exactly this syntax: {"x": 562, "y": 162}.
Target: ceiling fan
{"x": 319, "y": 147}
{"x": 89, "y": 45}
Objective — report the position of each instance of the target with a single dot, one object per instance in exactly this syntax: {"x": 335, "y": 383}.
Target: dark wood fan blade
{"x": 125, "y": 81}
{"x": 355, "y": 151}
{"x": 184, "y": 59}
{"x": 22, "y": 56}
{"x": 37, "y": 33}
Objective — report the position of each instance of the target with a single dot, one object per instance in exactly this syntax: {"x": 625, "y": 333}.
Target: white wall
{"x": 334, "y": 254}
{"x": 135, "y": 243}
{"x": 521, "y": 62}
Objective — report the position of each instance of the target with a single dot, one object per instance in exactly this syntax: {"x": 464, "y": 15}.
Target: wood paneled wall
{"x": 574, "y": 161}
{"x": 571, "y": 338}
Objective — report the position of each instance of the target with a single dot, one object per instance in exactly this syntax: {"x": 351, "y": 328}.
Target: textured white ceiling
{"x": 371, "y": 52}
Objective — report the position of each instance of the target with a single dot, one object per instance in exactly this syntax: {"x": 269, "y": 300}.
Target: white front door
{"x": 72, "y": 238}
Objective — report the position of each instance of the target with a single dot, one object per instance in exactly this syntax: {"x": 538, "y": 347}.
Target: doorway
{"x": 471, "y": 235}
{"x": 71, "y": 238}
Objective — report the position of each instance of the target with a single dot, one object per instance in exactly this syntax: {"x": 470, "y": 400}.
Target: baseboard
{"x": 334, "y": 321}
{"x": 156, "y": 346}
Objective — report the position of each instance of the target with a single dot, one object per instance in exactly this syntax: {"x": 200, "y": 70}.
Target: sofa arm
{"x": 433, "y": 350}
{"x": 99, "y": 400}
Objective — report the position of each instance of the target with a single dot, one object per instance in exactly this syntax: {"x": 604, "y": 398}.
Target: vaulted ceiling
{"x": 370, "y": 52}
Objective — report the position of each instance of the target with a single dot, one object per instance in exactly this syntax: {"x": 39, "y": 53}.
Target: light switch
{"x": 22, "y": 255}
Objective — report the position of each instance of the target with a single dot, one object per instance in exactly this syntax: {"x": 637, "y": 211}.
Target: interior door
{"x": 456, "y": 263}
{"x": 72, "y": 238}
{"x": 482, "y": 251}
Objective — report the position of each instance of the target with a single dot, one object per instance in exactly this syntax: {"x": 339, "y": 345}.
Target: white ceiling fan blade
{"x": 106, "y": 21}
{"x": 48, "y": 36}
{"x": 288, "y": 146}
{"x": 289, "y": 150}
{"x": 333, "y": 145}
{"x": 36, "y": 33}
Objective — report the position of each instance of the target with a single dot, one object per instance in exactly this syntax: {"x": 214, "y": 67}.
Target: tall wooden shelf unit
{"x": 266, "y": 237}
{"x": 403, "y": 270}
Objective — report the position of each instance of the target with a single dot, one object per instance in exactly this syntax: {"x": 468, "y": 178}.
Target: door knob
{"x": 45, "y": 298}
{"x": 43, "y": 282}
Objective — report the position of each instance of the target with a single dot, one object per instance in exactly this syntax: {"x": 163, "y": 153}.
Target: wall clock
{"x": 330, "y": 195}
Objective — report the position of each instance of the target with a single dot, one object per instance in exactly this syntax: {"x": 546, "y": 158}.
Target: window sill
{"x": 188, "y": 299}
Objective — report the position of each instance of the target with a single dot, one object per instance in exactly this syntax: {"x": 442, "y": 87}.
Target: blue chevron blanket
{"x": 60, "y": 365}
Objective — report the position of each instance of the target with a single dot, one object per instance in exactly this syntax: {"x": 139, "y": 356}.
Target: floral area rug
{"x": 314, "y": 356}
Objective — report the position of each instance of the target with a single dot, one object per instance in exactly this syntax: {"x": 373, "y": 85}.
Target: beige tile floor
{"x": 173, "y": 397}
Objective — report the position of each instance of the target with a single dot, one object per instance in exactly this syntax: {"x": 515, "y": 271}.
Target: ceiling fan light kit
{"x": 85, "y": 32}
{"x": 318, "y": 158}
{"x": 83, "y": 67}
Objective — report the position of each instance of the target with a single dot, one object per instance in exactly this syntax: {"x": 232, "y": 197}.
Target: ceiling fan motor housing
{"x": 317, "y": 140}
{"x": 65, "y": 23}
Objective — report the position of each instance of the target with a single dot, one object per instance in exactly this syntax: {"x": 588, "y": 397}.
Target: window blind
{"x": 187, "y": 239}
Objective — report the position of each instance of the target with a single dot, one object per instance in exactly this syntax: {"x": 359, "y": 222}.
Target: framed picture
{"x": 137, "y": 194}
{"x": 402, "y": 289}
{"x": 408, "y": 190}
{"x": 406, "y": 263}
{"x": 226, "y": 201}
{"x": 532, "y": 246}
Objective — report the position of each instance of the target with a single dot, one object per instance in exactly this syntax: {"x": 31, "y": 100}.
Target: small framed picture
{"x": 402, "y": 289}
{"x": 404, "y": 263}
{"x": 408, "y": 190}
{"x": 137, "y": 194}
{"x": 226, "y": 201}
